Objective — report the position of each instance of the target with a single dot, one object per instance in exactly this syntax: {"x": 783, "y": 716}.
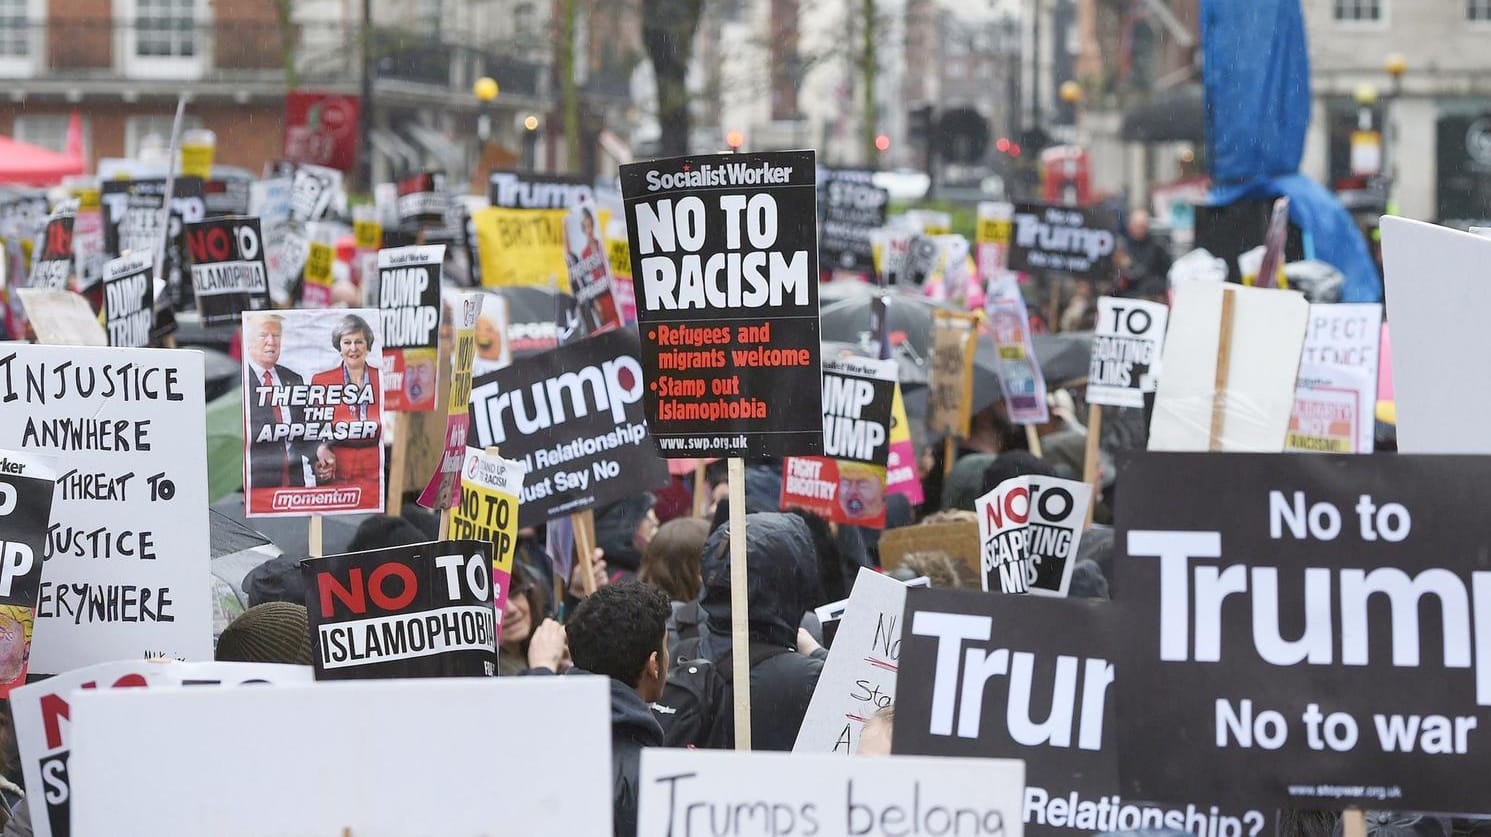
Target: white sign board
{"x": 694, "y": 791}
{"x": 1348, "y": 335}
{"x": 1334, "y": 407}
{"x": 859, "y": 678}
{"x": 1439, "y": 289}
{"x": 1126, "y": 350}
{"x": 374, "y": 757}
{"x": 44, "y": 731}
{"x": 127, "y": 574}
{"x": 1267, "y": 335}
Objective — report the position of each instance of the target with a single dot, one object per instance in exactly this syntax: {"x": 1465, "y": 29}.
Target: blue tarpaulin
{"x": 1257, "y": 77}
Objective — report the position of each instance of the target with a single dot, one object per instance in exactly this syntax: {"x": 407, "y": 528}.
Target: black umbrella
{"x": 292, "y": 534}
{"x": 1064, "y": 357}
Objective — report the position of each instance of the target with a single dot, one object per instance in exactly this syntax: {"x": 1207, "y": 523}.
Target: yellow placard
{"x": 619, "y": 254}
{"x": 318, "y": 263}
{"x": 367, "y": 235}
{"x": 992, "y": 231}
{"x": 521, "y": 247}
{"x": 490, "y": 487}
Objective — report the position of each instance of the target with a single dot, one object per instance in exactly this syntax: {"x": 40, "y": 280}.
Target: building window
{"x": 1478, "y": 10}
{"x": 49, "y": 131}
{"x": 15, "y": 29}
{"x": 165, "y": 28}
{"x": 1358, "y": 10}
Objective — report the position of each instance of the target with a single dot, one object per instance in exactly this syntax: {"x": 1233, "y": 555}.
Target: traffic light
{"x": 921, "y": 122}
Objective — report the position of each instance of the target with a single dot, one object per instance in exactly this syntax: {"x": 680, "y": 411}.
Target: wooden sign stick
{"x": 1092, "y": 457}
{"x": 397, "y": 469}
{"x": 701, "y": 489}
{"x": 1224, "y": 362}
{"x": 1353, "y": 823}
{"x": 1033, "y": 440}
{"x": 584, "y": 525}
{"x": 314, "y": 530}
{"x": 740, "y": 637}
{"x": 949, "y": 450}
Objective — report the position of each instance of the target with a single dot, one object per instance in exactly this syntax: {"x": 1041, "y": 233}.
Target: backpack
{"x": 695, "y": 709}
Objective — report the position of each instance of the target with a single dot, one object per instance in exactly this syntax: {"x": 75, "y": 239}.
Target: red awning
{"x": 33, "y": 165}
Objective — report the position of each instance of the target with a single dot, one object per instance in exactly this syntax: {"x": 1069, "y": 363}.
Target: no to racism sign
{"x": 725, "y": 265}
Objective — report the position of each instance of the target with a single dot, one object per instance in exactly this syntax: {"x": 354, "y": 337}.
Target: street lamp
{"x": 530, "y": 142}
{"x": 485, "y": 90}
{"x": 1070, "y": 92}
{"x": 1396, "y": 65}
{"x": 734, "y": 139}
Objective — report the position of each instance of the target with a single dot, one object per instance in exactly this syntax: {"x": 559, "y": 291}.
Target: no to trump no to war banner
{"x": 725, "y": 266}
{"x": 1320, "y": 626}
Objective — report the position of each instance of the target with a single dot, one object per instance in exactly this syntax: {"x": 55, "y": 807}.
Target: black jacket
{"x": 632, "y": 728}
{"x": 781, "y": 563}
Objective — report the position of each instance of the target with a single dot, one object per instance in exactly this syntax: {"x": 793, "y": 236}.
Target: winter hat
{"x": 1088, "y": 581}
{"x": 381, "y": 531}
{"x": 276, "y": 632}
{"x": 276, "y": 580}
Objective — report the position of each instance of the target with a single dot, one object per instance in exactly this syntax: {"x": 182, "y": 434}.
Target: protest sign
{"x": 409, "y": 300}
{"x": 1032, "y": 678}
{"x": 132, "y": 219}
{"x": 953, "y": 546}
{"x": 1126, "y": 350}
{"x": 284, "y": 242}
{"x": 88, "y": 240}
{"x": 928, "y": 222}
{"x": 1333, "y": 408}
{"x": 901, "y": 475}
{"x": 1436, "y": 287}
{"x": 44, "y": 727}
{"x": 444, "y": 486}
{"x": 367, "y": 238}
{"x": 573, "y": 415}
{"x": 229, "y": 275}
{"x": 847, "y": 484}
{"x": 1324, "y": 682}
{"x": 1063, "y": 239}
{"x": 950, "y": 391}
{"x": 498, "y": 340}
{"x": 422, "y": 199}
{"x": 52, "y": 264}
{"x": 61, "y": 318}
{"x": 128, "y": 547}
{"x": 436, "y": 726}
{"x": 1230, "y": 358}
{"x": 724, "y": 254}
{"x": 490, "y": 487}
{"x": 129, "y": 300}
{"x": 1030, "y": 528}
{"x": 1348, "y": 335}
{"x": 526, "y": 190}
{"x": 321, "y": 128}
{"x": 589, "y": 271}
{"x": 318, "y": 273}
{"x": 1019, "y": 371}
{"x": 435, "y": 620}
{"x": 312, "y": 408}
{"x": 619, "y": 257}
{"x": 521, "y": 247}
{"x": 26, "y": 488}
{"x": 853, "y": 207}
{"x": 859, "y": 678}
{"x": 222, "y": 197}
{"x": 686, "y": 791}
{"x": 991, "y": 238}
{"x": 312, "y": 191}
{"x": 890, "y": 248}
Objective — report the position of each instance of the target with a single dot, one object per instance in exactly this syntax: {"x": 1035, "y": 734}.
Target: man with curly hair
{"x": 621, "y": 631}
